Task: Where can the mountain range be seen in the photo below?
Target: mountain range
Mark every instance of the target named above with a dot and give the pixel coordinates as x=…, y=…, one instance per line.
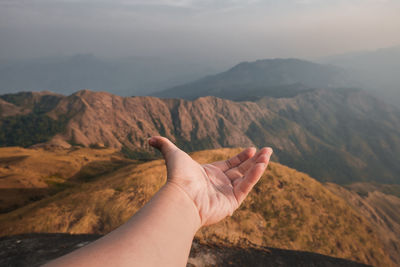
x=341, y=135
x=376, y=71
x=270, y=77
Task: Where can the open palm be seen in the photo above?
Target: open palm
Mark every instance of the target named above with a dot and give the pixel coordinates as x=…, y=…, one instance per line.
x=216, y=189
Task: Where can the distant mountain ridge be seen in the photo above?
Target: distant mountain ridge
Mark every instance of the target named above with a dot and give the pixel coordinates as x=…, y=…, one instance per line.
x=122, y=76
x=268, y=77
x=334, y=135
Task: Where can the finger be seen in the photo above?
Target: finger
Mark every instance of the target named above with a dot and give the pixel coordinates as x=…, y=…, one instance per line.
x=242, y=168
x=243, y=186
x=236, y=160
x=246, y=165
x=163, y=144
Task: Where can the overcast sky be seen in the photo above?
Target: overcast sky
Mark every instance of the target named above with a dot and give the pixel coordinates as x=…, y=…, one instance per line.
x=226, y=30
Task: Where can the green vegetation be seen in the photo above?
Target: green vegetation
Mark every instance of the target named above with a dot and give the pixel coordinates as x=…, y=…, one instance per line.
x=143, y=155
x=39, y=104
x=362, y=189
x=30, y=129
x=96, y=169
x=57, y=186
x=195, y=144
x=17, y=99
x=119, y=189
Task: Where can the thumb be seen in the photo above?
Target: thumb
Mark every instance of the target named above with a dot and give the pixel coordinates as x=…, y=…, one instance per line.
x=164, y=145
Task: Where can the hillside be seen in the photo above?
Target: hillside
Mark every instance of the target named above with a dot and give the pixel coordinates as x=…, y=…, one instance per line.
x=269, y=77
x=28, y=175
x=381, y=210
x=363, y=189
x=357, y=135
x=334, y=135
x=287, y=209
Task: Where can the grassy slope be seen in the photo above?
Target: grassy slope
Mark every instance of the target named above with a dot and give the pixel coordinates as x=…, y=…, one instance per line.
x=30, y=174
x=364, y=188
x=287, y=209
x=381, y=210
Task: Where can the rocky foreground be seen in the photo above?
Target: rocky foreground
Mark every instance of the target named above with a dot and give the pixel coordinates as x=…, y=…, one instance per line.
x=37, y=249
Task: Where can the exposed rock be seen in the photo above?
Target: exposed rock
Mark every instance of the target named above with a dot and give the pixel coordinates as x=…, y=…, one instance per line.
x=37, y=249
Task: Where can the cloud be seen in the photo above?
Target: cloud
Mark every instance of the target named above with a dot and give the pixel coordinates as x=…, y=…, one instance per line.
x=191, y=4
x=243, y=29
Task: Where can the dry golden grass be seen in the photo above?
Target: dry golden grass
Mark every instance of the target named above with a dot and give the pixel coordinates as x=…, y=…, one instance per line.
x=33, y=166
x=30, y=174
x=286, y=209
x=381, y=210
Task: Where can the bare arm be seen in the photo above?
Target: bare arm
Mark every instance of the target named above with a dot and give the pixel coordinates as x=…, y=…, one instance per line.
x=161, y=233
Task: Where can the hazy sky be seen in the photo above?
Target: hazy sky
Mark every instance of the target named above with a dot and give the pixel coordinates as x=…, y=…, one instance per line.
x=227, y=30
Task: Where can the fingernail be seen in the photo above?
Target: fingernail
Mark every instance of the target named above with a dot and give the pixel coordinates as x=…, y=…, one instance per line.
x=151, y=141
x=267, y=151
x=263, y=159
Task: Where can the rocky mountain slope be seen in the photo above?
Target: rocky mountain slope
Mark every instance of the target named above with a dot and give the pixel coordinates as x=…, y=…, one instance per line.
x=287, y=209
x=334, y=135
x=348, y=132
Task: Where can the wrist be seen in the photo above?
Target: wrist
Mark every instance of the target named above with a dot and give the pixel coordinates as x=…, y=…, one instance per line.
x=184, y=202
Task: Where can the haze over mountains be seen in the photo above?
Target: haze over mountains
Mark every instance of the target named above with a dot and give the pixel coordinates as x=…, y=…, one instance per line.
x=378, y=71
x=123, y=76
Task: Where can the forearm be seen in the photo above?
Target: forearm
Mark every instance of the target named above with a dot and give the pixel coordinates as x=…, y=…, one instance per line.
x=160, y=234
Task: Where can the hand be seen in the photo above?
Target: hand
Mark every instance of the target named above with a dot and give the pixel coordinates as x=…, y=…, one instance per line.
x=194, y=195
x=215, y=189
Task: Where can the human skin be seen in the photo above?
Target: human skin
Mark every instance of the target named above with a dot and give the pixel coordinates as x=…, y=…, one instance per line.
x=161, y=233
